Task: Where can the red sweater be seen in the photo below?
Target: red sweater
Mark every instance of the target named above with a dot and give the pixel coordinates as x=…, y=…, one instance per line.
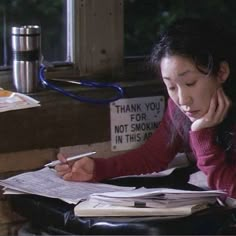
x=156, y=154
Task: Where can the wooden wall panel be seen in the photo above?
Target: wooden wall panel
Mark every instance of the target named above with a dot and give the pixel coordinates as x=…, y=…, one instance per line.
x=63, y=121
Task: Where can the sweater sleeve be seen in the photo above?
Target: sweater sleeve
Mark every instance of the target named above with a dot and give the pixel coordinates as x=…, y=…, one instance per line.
x=211, y=159
x=154, y=155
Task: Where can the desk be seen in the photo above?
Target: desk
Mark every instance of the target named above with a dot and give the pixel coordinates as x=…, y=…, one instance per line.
x=56, y=217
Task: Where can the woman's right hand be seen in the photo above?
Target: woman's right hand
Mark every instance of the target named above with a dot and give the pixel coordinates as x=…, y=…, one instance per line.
x=218, y=109
x=80, y=170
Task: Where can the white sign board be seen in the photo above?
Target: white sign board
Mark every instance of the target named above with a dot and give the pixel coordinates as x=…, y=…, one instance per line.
x=133, y=120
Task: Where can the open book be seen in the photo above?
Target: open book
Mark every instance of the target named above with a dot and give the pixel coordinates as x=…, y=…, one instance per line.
x=147, y=202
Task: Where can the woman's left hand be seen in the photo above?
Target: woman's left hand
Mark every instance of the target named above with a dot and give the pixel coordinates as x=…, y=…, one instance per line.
x=219, y=106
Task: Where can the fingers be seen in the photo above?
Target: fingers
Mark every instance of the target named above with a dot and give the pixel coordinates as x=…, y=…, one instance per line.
x=218, y=109
x=63, y=168
x=223, y=105
x=80, y=170
x=212, y=108
x=61, y=158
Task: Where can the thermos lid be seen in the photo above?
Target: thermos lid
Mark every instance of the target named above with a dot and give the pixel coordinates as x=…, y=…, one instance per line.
x=26, y=30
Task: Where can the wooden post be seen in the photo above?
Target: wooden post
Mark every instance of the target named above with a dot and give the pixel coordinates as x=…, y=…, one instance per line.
x=99, y=29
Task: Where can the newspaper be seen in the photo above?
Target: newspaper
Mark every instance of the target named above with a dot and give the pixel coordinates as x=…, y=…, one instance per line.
x=14, y=101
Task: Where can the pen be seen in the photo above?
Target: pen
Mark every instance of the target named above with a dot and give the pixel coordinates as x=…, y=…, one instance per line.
x=54, y=163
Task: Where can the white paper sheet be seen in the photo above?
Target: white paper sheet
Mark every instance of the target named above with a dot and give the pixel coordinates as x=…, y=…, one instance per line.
x=14, y=101
x=156, y=192
x=45, y=182
x=199, y=179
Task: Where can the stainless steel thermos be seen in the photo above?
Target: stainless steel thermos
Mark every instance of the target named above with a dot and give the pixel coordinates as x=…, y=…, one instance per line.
x=26, y=48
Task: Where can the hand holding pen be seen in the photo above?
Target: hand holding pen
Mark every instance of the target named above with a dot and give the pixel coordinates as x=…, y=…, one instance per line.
x=81, y=170
x=73, y=158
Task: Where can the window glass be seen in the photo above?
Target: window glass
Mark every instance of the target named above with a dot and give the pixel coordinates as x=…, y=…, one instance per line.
x=144, y=19
x=50, y=15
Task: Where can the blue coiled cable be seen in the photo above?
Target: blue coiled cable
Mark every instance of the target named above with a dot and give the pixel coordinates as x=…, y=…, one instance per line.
x=119, y=90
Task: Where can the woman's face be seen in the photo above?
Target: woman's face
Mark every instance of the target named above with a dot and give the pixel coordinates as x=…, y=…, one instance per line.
x=190, y=89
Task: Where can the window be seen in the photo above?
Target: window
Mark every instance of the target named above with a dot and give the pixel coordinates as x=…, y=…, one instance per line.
x=143, y=19
x=97, y=34
x=50, y=15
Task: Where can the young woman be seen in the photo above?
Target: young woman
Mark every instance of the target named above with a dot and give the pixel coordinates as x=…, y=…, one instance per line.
x=196, y=60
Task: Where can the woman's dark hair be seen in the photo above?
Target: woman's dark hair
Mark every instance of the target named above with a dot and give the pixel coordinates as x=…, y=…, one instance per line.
x=207, y=43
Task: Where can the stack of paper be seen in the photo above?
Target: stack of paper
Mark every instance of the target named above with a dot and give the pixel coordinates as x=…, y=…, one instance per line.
x=158, y=197
x=142, y=201
x=14, y=101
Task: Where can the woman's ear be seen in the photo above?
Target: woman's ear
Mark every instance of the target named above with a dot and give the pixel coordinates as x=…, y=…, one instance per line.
x=223, y=72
